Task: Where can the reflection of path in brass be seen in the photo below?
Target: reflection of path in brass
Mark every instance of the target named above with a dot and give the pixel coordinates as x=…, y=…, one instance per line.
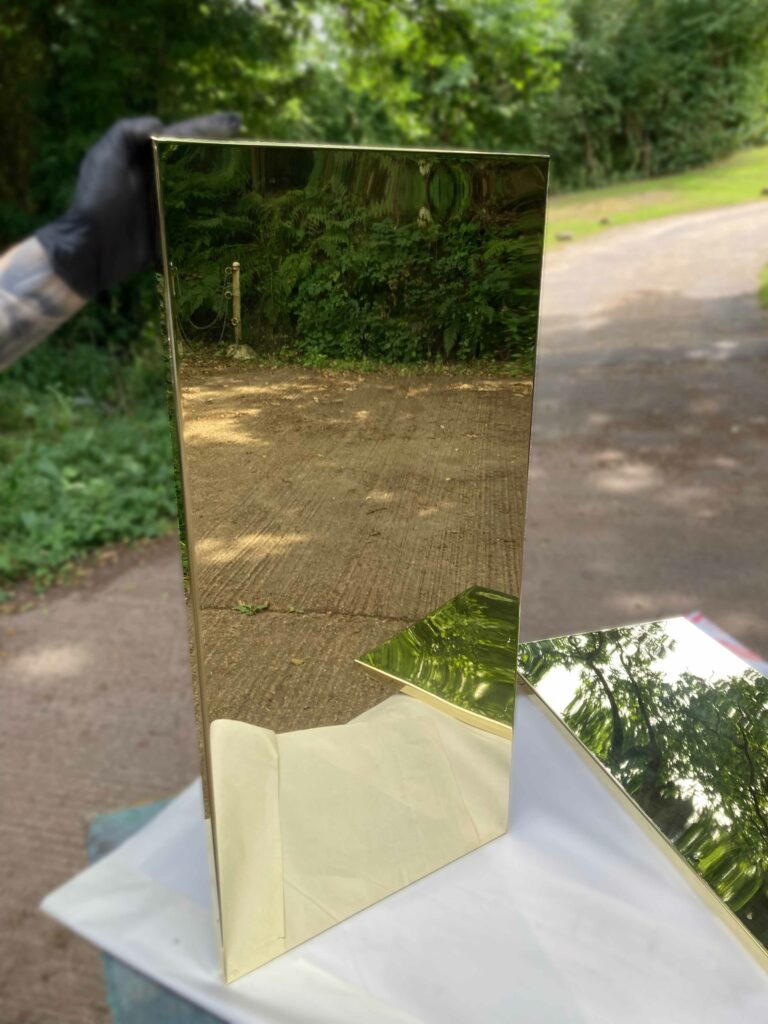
x=354, y=504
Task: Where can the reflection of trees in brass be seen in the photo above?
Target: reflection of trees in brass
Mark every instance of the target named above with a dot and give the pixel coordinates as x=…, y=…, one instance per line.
x=465, y=653
x=390, y=256
x=692, y=752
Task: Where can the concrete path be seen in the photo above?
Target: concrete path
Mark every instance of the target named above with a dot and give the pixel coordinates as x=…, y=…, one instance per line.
x=647, y=498
x=96, y=714
x=649, y=478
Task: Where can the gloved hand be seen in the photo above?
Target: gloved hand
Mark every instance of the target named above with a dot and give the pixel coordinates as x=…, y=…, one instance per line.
x=107, y=235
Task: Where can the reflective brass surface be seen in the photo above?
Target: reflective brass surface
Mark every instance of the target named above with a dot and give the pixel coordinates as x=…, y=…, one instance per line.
x=461, y=658
x=352, y=335
x=681, y=725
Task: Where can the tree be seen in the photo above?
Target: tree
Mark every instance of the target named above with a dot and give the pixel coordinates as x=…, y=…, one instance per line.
x=430, y=72
x=81, y=64
x=647, y=88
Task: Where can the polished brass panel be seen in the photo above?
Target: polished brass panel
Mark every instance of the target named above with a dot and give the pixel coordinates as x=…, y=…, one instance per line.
x=352, y=336
x=681, y=726
x=460, y=658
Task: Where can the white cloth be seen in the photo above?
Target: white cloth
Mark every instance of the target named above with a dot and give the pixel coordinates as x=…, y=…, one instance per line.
x=573, y=916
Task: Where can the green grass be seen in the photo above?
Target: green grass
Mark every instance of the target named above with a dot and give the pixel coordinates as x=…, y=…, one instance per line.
x=762, y=292
x=85, y=458
x=738, y=179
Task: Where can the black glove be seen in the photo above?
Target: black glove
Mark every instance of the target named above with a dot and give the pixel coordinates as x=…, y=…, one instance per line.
x=107, y=235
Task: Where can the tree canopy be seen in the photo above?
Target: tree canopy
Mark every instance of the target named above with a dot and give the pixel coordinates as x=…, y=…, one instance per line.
x=610, y=88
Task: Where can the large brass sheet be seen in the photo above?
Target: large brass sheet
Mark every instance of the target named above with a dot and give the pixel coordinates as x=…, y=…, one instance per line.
x=681, y=725
x=329, y=505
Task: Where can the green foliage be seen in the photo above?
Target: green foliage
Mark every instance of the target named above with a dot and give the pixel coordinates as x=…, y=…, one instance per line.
x=430, y=72
x=384, y=257
x=84, y=457
x=693, y=752
x=612, y=88
x=80, y=64
x=762, y=292
x=69, y=69
x=648, y=88
x=409, y=292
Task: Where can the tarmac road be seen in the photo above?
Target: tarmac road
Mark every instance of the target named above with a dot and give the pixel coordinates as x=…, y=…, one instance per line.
x=649, y=477
x=647, y=498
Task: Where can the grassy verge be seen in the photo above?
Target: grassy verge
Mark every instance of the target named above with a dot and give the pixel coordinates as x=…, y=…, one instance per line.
x=762, y=291
x=85, y=458
x=738, y=179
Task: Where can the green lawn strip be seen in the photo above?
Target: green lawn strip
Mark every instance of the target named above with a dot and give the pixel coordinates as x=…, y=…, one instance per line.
x=762, y=291
x=737, y=179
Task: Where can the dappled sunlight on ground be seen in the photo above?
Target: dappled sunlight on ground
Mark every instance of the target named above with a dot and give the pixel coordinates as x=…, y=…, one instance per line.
x=627, y=478
x=211, y=551
x=54, y=661
x=226, y=430
x=338, y=503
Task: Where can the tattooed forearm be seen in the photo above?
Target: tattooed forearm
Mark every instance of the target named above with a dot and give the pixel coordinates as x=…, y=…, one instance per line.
x=34, y=301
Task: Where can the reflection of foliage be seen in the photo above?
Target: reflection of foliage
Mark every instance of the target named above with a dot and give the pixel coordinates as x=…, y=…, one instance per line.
x=384, y=256
x=465, y=653
x=692, y=752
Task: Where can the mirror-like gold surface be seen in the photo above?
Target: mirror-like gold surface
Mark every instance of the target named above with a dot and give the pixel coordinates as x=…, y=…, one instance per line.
x=352, y=339
x=681, y=724
x=461, y=658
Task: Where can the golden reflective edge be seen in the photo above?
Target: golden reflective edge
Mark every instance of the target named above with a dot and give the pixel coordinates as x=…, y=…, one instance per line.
x=460, y=658
x=752, y=945
x=183, y=499
x=276, y=143
x=688, y=870
x=460, y=714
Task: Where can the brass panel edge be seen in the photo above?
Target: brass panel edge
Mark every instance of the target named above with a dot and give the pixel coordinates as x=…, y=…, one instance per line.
x=446, y=706
x=277, y=144
x=749, y=942
x=177, y=426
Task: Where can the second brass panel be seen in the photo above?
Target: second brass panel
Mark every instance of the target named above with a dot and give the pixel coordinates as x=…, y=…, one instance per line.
x=681, y=725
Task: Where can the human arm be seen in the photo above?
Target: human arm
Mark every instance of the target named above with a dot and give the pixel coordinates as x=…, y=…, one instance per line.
x=105, y=237
x=34, y=300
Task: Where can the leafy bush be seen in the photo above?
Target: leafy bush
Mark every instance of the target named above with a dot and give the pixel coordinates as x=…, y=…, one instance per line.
x=647, y=89
x=385, y=257
x=85, y=457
